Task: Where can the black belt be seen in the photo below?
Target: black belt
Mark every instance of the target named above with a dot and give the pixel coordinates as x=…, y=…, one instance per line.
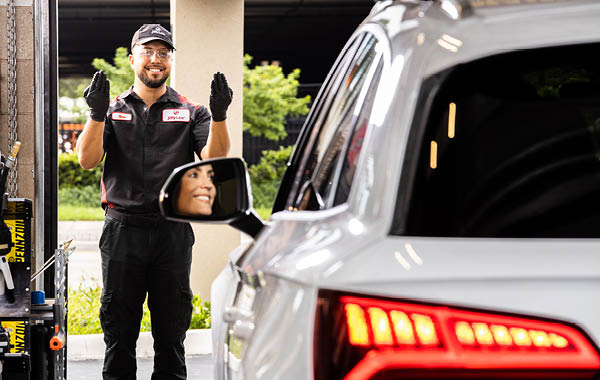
x=152, y=220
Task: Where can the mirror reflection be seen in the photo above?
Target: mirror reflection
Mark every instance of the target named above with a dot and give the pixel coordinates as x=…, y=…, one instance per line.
x=208, y=190
x=196, y=192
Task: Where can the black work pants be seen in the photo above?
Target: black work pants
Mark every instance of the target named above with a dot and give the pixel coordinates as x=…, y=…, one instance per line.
x=139, y=259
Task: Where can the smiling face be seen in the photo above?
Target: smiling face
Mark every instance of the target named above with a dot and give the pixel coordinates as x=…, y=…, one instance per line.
x=151, y=63
x=197, y=191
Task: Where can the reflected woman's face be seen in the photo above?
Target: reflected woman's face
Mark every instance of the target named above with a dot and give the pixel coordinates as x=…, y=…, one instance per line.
x=197, y=192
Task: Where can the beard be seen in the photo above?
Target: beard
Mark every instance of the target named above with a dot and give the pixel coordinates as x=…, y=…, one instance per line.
x=152, y=83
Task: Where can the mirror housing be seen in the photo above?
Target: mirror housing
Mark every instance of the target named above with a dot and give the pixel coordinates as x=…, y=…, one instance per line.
x=211, y=191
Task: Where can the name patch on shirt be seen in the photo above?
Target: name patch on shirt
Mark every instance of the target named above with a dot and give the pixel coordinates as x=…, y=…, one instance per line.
x=180, y=114
x=121, y=116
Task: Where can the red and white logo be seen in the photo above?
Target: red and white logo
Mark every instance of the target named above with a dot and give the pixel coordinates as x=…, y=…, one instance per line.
x=179, y=114
x=121, y=116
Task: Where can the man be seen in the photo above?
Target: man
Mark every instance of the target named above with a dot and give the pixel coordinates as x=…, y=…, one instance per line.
x=145, y=133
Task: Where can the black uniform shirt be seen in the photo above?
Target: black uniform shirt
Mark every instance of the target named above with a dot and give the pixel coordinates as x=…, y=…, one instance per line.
x=142, y=147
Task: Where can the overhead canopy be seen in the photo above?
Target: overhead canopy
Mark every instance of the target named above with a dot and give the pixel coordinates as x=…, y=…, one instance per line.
x=299, y=33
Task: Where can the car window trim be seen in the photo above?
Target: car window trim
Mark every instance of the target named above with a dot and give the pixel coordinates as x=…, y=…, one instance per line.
x=312, y=131
x=376, y=67
x=373, y=66
x=289, y=181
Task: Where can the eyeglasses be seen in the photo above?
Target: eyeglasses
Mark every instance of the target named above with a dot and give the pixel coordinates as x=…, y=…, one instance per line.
x=163, y=54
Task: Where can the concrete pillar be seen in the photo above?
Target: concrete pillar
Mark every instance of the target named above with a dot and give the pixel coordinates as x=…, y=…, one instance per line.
x=208, y=35
x=25, y=103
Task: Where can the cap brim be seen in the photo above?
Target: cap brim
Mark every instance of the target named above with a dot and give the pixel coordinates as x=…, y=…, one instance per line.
x=148, y=39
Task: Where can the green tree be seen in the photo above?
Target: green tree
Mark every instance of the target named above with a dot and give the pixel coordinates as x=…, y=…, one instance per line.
x=121, y=77
x=270, y=96
x=548, y=82
x=265, y=176
x=120, y=74
x=72, y=109
x=69, y=87
x=70, y=103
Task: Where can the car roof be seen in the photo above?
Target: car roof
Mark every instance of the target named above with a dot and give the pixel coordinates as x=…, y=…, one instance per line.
x=465, y=8
x=448, y=32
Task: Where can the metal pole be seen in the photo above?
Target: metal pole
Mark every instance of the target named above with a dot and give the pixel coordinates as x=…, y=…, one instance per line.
x=40, y=14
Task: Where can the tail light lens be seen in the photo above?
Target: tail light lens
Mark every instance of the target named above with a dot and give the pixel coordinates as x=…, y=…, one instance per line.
x=360, y=338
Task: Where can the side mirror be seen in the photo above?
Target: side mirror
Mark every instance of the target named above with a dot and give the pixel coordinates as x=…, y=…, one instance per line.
x=211, y=191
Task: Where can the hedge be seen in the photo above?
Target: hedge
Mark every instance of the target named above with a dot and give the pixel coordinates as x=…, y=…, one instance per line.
x=71, y=174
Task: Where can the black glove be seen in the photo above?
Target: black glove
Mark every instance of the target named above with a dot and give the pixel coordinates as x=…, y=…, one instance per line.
x=97, y=96
x=220, y=97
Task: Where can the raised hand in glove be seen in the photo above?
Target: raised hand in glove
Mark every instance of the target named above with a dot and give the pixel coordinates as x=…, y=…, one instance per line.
x=97, y=96
x=220, y=97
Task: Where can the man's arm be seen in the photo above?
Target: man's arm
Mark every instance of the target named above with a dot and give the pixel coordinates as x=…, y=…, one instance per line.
x=90, y=147
x=218, y=143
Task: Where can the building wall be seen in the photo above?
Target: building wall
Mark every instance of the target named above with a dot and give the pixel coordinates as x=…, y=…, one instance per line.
x=208, y=36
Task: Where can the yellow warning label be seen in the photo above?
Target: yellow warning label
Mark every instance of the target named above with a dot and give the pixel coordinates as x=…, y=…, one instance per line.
x=17, y=332
x=17, y=229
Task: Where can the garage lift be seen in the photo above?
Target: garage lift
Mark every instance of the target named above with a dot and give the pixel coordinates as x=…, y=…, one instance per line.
x=33, y=340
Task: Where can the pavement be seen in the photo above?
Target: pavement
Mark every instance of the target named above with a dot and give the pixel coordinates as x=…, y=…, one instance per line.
x=85, y=352
x=84, y=263
x=198, y=368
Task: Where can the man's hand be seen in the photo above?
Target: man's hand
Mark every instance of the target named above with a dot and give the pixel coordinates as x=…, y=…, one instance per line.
x=220, y=97
x=97, y=96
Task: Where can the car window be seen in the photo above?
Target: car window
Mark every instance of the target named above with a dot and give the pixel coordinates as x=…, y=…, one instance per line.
x=286, y=194
x=511, y=148
x=334, y=130
x=355, y=141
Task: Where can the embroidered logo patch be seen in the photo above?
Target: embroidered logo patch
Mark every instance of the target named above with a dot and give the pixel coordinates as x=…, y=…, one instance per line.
x=157, y=31
x=121, y=116
x=178, y=114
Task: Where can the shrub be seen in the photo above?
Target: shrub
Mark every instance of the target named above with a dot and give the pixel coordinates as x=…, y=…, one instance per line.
x=264, y=194
x=71, y=174
x=88, y=196
x=200, y=314
x=84, y=307
x=265, y=176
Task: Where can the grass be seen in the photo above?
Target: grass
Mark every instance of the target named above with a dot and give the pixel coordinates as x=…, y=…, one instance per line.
x=68, y=212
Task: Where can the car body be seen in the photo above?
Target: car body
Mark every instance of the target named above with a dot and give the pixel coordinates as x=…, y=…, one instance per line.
x=444, y=179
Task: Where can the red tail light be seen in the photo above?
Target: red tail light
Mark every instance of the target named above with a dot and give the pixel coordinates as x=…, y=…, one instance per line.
x=359, y=338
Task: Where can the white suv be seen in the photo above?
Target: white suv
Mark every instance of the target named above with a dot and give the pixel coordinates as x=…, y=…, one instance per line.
x=439, y=216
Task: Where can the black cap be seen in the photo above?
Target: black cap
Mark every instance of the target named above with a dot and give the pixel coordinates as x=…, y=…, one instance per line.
x=152, y=32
